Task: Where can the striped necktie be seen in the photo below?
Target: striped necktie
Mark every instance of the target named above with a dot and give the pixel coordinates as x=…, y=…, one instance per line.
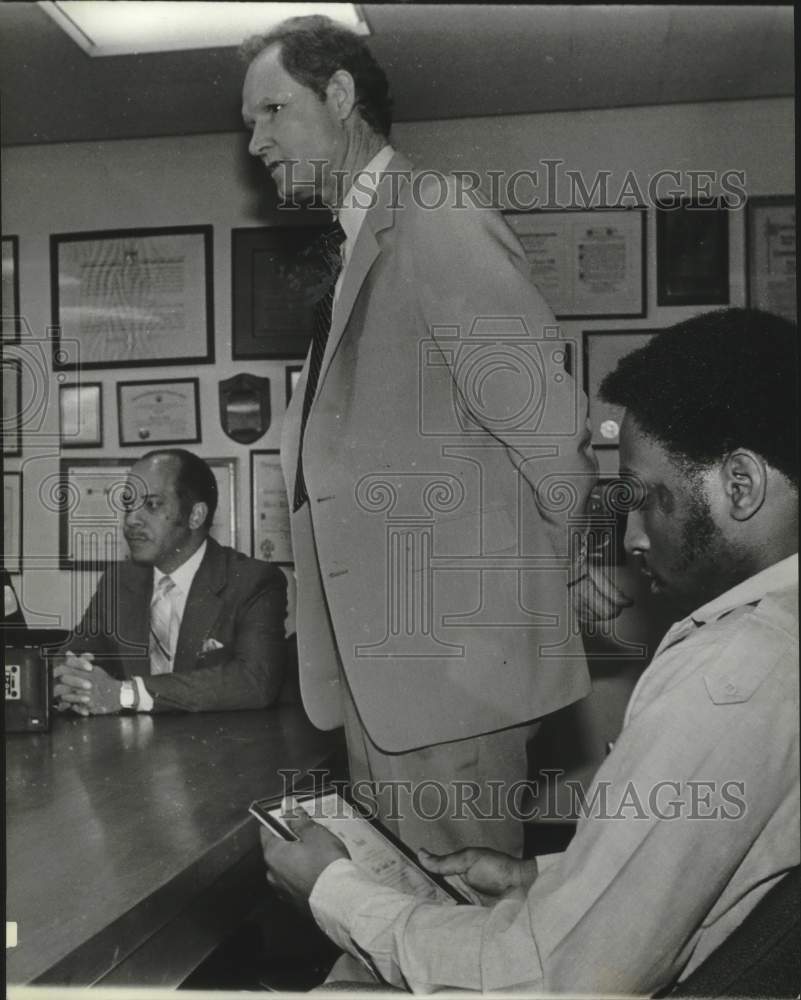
x=163, y=623
x=331, y=243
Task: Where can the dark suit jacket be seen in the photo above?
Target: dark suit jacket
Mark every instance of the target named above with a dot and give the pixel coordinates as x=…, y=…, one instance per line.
x=237, y=601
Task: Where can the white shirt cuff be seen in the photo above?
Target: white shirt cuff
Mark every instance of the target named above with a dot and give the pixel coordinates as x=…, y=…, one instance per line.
x=145, y=698
x=333, y=898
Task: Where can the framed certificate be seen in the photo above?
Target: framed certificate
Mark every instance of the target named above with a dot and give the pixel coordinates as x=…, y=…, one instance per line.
x=692, y=254
x=223, y=528
x=602, y=349
x=135, y=297
x=12, y=406
x=12, y=521
x=770, y=255
x=292, y=374
x=80, y=407
x=607, y=529
x=89, y=497
x=373, y=849
x=278, y=276
x=586, y=263
x=9, y=304
x=270, y=534
x=165, y=411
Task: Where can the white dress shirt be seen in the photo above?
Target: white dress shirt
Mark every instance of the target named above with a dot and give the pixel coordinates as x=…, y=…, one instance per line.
x=355, y=205
x=182, y=578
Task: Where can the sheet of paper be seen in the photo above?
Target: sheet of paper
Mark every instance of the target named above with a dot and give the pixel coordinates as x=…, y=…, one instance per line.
x=371, y=851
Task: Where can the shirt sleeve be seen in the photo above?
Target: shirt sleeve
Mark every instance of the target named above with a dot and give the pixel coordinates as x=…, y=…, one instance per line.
x=690, y=794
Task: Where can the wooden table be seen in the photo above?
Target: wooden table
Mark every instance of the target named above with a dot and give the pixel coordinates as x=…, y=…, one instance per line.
x=129, y=848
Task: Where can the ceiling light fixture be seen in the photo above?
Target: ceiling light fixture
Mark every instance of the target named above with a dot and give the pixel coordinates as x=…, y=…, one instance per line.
x=126, y=27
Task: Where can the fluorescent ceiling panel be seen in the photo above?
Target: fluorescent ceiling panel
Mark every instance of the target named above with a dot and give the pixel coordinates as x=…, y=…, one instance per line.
x=124, y=27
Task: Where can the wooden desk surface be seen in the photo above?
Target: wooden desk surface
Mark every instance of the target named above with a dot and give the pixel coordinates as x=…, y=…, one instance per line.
x=117, y=825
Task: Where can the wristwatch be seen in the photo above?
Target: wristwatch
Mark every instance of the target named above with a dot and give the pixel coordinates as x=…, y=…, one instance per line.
x=128, y=695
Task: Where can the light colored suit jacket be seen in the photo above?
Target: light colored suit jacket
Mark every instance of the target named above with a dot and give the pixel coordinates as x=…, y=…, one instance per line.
x=427, y=565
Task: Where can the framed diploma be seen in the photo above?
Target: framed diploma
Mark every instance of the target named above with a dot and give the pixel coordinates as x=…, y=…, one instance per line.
x=12, y=406
x=602, y=349
x=12, y=521
x=166, y=411
x=692, y=254
x=586, y=264
x=770, y=255
x=9, y=304
x=607, y=529
x=80, y=408
x=278, y=276
x=270, y=535
x=135, y=297
x=292, y=374
x=223, y=528
x=89, y=496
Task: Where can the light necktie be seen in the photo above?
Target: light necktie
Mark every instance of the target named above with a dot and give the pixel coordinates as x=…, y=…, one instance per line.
x=162, y=626
x=331, y=243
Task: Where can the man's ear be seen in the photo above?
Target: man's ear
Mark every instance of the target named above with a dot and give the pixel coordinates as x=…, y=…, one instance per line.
x=341, y=94
x=198, y=515
x=745, y=483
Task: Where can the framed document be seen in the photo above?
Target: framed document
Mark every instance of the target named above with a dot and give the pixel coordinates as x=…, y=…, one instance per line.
x=586, y=263
x=223, y=528
x=80, y=407
x=12, y=521
x=770, y=269
x=9, y=304
x=165, y=411
x=602, y=349
x=292, y=374
x=89, y=496
x=692, y=254
x=278, y=276
x=607, y=530
x=12, y=406
x=374, y=850
x=270, y=535
x=135, y=297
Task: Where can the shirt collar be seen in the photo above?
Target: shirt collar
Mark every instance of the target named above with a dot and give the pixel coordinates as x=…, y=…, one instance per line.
x=185, y=574
x=356, y=203
x=779, y=576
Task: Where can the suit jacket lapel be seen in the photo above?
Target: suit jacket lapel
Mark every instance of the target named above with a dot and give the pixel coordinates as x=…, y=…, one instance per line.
x=381, y=216
x=133, y=604
x=202, y=608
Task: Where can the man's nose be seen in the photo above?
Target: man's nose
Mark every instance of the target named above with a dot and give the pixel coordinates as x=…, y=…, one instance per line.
x=635, y=539
x=131, y=516
x=260, y=139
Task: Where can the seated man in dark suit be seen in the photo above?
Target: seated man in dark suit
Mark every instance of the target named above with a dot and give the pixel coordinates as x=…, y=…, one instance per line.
x=186, y=624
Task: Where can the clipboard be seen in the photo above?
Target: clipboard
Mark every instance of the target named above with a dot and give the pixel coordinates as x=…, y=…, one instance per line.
x=372, y=848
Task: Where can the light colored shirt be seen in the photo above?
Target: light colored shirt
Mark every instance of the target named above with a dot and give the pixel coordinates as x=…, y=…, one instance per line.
x=691, y=819
x=182, y=578
x=355, y=204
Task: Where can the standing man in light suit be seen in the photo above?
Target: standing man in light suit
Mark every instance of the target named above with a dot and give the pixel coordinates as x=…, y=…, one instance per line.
x=430, y=424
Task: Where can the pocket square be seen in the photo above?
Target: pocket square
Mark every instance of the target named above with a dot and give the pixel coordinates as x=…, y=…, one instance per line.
x=209, y=645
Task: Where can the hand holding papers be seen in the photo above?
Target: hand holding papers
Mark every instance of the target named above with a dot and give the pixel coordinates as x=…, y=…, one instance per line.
x=339, y=831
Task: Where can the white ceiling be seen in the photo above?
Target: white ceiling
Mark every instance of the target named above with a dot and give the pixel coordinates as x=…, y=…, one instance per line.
x=443, y=61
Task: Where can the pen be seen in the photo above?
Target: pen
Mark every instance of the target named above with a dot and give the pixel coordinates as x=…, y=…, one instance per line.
x=578, y=579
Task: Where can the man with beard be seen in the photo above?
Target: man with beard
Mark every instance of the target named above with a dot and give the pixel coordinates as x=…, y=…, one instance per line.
x=694, y=815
